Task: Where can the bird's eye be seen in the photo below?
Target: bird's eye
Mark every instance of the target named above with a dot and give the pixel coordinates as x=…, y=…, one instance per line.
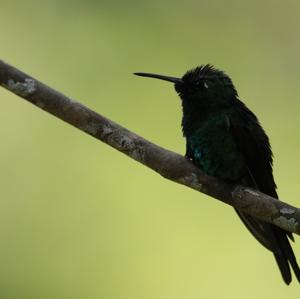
x=201, y=84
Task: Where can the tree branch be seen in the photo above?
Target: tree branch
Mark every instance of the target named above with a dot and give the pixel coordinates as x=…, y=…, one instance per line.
x=169, y=164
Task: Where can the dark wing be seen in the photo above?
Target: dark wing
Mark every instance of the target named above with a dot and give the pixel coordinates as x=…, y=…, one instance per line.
x=253, y=144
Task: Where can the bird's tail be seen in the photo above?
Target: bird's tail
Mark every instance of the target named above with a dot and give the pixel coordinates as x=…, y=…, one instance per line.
x=285, y=256
x=276, y=240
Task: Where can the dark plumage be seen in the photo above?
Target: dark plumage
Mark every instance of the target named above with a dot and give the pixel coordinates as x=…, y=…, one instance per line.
x=225, y=139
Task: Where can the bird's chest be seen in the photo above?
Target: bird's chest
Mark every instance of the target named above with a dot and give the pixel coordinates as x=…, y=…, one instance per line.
x=214, y=150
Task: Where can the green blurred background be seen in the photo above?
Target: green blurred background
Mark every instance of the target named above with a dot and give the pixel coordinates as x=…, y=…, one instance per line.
x=80, y=220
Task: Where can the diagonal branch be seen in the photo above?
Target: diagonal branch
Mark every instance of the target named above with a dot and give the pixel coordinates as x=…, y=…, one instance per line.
x=169, y=164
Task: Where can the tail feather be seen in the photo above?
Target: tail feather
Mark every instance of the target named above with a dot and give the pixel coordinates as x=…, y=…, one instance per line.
x=284, y=268
x=276, y=240
x=273, y=238
x=287, y=251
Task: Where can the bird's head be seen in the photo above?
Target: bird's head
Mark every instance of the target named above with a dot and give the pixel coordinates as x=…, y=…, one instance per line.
x=201, y=86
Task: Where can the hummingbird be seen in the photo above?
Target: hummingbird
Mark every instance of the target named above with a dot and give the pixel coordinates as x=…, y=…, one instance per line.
x=225, y=139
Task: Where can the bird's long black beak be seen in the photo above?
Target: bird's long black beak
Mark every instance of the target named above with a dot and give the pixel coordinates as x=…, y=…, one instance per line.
x=161, y=77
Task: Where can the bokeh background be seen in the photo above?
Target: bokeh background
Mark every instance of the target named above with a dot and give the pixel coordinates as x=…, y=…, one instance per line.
x=80, y=220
